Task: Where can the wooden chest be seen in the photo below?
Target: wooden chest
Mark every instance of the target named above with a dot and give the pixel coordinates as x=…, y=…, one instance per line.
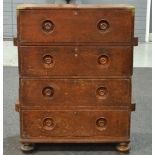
x=75, y=66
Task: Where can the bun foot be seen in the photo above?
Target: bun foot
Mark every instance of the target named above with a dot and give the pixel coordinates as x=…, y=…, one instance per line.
x=123, y=147
x=27, y=147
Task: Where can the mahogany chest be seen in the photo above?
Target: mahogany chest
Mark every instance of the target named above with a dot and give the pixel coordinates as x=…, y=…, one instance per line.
x=75, y=67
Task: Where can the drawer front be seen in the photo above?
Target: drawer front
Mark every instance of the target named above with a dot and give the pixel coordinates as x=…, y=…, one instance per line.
x=75, y=92
x=75, y=61
x=75, y=25
x=99, y=124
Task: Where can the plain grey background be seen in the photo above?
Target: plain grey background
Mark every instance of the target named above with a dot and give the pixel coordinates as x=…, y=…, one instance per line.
x=9, y=13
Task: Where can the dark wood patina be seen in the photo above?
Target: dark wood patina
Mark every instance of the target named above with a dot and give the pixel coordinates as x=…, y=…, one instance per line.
x=75, y=66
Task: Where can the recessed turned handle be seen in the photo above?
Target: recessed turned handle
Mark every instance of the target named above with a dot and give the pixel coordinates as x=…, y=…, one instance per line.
x=102, y=91
x=48, y=59
x=101, y=123
x=48, y=123
x=48, y=26
x=103, y=25
x=103, y=59
x=48, y=91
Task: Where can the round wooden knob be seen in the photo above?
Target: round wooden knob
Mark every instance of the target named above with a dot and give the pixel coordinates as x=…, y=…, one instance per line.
x=103, y=59
x=103, y=25
x=47, y=26
x=101, y=123
x=48, y=124
x=48, y=91
x=48, y=59
x=102, y=91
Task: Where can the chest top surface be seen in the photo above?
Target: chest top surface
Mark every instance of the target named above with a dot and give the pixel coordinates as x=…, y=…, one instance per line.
x=75, y=6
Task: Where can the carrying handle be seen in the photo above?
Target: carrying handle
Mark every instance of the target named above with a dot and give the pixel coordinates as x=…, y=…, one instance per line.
x=15, y=41
x=17, y=107
x=133, y=106
x=135, y=41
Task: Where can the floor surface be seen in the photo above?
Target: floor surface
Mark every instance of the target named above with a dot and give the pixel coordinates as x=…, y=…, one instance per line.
x=141, y=133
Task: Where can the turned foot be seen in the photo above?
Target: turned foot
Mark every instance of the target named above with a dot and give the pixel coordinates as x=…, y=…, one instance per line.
x=123, y=147
x=27, y=147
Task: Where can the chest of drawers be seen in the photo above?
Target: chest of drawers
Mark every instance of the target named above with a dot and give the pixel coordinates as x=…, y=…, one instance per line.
x=75, y=67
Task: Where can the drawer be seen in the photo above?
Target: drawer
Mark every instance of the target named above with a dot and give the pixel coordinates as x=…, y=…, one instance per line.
x=75, y=60
x=54, y=124
x=75, y=92
x=89, y=25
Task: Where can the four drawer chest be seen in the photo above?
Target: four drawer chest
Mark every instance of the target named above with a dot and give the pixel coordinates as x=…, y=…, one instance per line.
x=75, y=67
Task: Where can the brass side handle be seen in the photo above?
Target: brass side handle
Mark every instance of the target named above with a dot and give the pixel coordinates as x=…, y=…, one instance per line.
x=15, y=41
x=133, y=107
x=135, y=41
x=17, y=107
